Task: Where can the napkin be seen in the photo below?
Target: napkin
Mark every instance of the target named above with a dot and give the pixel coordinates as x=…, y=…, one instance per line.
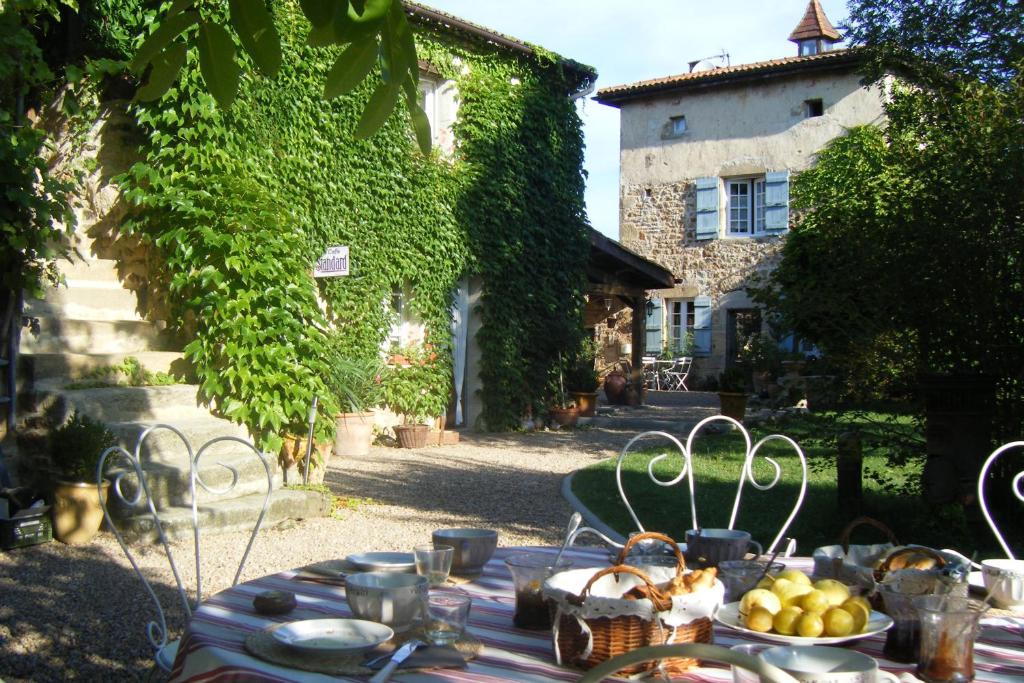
x=431, y=657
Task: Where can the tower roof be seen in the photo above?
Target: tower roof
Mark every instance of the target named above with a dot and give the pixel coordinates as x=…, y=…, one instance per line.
x=814, y=25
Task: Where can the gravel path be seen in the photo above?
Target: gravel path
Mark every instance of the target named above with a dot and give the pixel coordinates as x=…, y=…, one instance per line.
x=79, y=613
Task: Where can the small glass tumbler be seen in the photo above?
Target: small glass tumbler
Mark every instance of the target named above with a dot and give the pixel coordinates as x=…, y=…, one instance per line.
x=529, y=570
x=903, y=639
x=434, y=562
x=948, y=627
x=739, y=576
x=447, y=614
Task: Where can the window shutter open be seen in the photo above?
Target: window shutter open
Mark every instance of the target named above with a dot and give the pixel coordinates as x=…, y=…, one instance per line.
x=707, y=208
x=702, y=324
x=652, y=329
x=776, y=201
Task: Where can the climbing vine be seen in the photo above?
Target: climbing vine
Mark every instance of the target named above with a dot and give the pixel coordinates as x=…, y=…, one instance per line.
x=239, y=203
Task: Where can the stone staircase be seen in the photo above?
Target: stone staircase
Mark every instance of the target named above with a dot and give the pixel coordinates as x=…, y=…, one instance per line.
x=94, y=324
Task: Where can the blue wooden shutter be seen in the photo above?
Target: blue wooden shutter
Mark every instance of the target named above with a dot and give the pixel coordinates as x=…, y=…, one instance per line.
x=707, y=208
x=776, y=201
x=652, y=328
x=702, y=324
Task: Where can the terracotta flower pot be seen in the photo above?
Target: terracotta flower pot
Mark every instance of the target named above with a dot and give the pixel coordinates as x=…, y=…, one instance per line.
x=615, y=388
x=734, y=405
x=77, y=513
x=412, y=436
x=353, y=433
x=565, y=417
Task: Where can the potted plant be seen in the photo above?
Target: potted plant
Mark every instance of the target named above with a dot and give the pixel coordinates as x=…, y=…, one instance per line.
x=732, y=393
x=762, y=355
x=358, y=388
x=564, y=411
x=417, y=389
x=75, y=449
x=581, y=381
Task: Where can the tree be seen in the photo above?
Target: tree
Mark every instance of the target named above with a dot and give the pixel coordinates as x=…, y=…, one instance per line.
x=374, y=32
x=910, y=243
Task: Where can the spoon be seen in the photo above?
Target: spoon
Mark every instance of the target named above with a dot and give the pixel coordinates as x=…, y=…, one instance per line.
x=574, y=523
x=770, y=560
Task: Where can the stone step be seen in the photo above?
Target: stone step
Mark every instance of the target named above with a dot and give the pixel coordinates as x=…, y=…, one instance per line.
x=236, y=514
x=93, y=336
x=82, y=300
x=80, y=271
x=165, y=460
x=171, y=404
x=50, y=368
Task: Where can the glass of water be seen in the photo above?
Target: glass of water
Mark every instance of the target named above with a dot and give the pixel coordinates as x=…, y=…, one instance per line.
x=447, y=614
x=434, y=562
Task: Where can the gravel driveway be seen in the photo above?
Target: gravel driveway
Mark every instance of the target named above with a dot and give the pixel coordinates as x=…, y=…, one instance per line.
x=79, y=613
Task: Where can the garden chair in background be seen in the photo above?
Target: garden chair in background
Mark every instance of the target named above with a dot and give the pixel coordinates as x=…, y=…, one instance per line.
x=650, y=366
x=677, y=373
x=746, y=475
x=130, y=487
x=1017, y=487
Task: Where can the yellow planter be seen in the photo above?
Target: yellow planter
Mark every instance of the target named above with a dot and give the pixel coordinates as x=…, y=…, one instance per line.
x=77, y=513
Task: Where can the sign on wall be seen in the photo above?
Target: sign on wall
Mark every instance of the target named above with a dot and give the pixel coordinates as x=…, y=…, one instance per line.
x=333, y=263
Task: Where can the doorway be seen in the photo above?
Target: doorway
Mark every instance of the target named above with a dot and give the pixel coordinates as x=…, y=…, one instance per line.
x=741, y=326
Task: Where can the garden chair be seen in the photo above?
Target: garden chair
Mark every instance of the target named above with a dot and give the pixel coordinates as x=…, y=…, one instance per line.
x=677, y=373
x=746, y=475
x=650, y=366
x=703, y=651
x=1017, y=488
x=130, y=487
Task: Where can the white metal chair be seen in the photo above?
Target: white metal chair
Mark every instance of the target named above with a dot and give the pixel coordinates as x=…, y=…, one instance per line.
x=650, y=367
x=714, y=653
x=746, y=475
x=130, y=487
x=1017, y=488
x=677, y=373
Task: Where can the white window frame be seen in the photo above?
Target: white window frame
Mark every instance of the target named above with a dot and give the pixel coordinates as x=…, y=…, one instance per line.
x=679, y=321
x=436, y=97
x=744, y=215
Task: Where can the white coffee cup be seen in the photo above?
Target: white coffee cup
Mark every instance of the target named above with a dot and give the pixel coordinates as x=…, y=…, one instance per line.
x=819, y=664
x=1004, y=581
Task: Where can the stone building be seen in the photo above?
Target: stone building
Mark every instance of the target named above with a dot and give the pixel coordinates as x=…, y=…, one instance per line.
x=706, y=159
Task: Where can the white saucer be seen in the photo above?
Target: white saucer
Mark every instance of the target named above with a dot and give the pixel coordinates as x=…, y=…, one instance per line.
x=332, y=636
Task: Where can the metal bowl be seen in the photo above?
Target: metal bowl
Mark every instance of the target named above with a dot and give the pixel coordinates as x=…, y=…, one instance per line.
x=386, y=597
x=473, y=547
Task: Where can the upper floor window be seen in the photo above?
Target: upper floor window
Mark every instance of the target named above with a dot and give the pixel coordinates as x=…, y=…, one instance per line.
x=752, y=206
x=813, y=108
x=745, y=207
x=439, y=99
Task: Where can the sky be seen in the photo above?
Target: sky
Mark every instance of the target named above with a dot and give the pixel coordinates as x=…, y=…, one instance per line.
x=634, y=40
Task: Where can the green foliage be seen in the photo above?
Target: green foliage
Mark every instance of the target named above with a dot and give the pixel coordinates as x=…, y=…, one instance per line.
x=508, y=208
x=76, y=447
x=581, y=375
x=357, y=384
x=672, y=349
x=417, y=383
x=732, y=380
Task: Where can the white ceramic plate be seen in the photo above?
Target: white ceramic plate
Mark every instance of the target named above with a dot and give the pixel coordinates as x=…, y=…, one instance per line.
x=383, y=562
x=730, y=616
x=332, y=636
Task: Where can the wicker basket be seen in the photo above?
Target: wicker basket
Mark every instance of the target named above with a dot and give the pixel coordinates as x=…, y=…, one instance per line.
x=596, y=623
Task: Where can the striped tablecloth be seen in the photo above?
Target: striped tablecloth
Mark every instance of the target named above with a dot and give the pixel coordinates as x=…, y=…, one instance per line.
x=212, y=648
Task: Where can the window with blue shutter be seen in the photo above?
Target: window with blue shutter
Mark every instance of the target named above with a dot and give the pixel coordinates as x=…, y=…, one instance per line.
x=702, y=325
x=776, y=201
x=652, y=329
x=707, y=208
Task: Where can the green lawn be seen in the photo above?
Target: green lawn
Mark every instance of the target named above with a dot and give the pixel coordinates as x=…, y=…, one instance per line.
x=718, y=460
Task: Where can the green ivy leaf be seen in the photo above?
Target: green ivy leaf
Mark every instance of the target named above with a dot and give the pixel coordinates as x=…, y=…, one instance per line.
x=350, y=68
x=371, y=10
x=180, y=6
x=255, y=29
x=420, y=122
x=166, y=66
x=380, y=106
x=169, y=29
x=217, y=63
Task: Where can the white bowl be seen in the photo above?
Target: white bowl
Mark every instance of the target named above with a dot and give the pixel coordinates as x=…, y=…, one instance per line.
x=1004, y=581
x=819, y=664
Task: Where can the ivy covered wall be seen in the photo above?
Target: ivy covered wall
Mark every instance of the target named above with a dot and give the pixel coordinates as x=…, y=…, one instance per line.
x=239, y=204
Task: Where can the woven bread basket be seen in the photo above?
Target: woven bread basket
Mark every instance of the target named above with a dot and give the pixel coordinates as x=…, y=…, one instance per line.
x=594, y=622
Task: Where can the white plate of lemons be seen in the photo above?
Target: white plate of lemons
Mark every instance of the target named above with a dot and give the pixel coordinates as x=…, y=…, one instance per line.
x=791, y=608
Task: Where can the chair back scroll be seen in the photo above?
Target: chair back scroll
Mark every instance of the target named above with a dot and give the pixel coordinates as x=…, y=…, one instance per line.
x=130, y=487
x=1017, y=487
x=686, y=473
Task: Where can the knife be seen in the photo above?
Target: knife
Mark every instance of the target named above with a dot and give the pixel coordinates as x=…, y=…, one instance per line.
x=401, y=654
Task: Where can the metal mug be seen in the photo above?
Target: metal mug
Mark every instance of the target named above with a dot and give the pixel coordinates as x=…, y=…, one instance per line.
x=708, y=547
